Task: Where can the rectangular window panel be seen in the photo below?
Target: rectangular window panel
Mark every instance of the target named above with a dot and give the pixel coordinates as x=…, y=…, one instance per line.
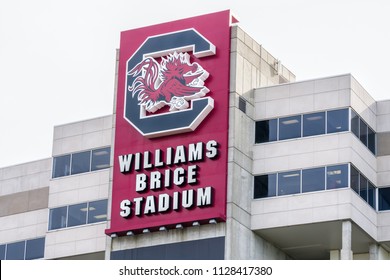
x=57, y=218
x=363, y=187
x=371, y=195
x=314, y=124
x=371, y=141
x=97, y=211
x=363, y=132
x=35, y=248
x=355, y=181
x=81, y=162
x=242, y=104
x=289, y=182
x=61, y=166
x=2, y=252
x=313, y=179
x=355, y=121
x=77, y=215
x=265, y=186
x=15, y=251
x=266, y=131
x=383, y=199
x=337, y=176
x=290, y=127
x=100, y=159
x=337, y=120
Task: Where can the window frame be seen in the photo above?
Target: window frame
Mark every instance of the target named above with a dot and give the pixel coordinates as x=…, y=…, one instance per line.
x=71, y=159
x=289, y=119
x=304, y=117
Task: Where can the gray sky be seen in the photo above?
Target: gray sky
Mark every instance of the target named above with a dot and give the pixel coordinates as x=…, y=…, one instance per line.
x=57, y=58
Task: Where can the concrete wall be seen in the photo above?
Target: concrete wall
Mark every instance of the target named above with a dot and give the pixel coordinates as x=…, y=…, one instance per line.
x=251, y=67
x=322, y=150
x=84, y=187
x=24, y=200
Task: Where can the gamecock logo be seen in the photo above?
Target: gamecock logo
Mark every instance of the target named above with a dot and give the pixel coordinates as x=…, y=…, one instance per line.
x=174, y=82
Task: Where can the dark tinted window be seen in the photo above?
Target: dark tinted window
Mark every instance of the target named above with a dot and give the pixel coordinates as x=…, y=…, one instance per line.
x=371, y=142
x=77, y=214
x=384, y=199
x=355, y=179
x=363, y=187
x=337, y=120
x=314, y=124
x=100, y=159
x=2, y=252
x=289, y=127
x=371, y=195
x=289, y=182
x=97, y=211
x=355, y=122
x=57, y=218
x=265, y=186
x=35, y=248
x=313, y=179
x=266, y=131
x=61, y=166
x=81, y=162
x=337, y=176
x=363, y=132
x=242, y=104
x=15, y=251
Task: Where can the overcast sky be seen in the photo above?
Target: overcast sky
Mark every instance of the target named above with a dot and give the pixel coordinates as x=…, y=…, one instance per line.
x=57, y=58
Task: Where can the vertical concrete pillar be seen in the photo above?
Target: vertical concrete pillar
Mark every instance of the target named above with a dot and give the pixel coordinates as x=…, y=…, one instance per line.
x=374, y=251
x=334, y=254
x=346, y=232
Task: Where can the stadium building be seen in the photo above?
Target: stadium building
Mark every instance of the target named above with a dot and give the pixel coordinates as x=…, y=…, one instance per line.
x=213, y=151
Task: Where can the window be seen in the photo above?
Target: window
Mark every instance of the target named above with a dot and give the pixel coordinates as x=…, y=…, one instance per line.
x=363, y=190
x=337, y=120
x=265, y=186
x=81, y=162
x=289, y=182
x=314, y=124
x=337, y=176
x=35, y=248
x=2, y=252
x=371, y=195
x=266, y=131
x=23, y=250
x=313, y=179
x=77, y=214
x=355, y=179
x=290, y=127
x=242, y=104
x=371, y=140
x=97, y=211
x=61, y=166
x=355, y=122
x=100, y=159
x=15, y=251
x=57, y=217
x=383, y=199
x=305, y=125
x=363, y=132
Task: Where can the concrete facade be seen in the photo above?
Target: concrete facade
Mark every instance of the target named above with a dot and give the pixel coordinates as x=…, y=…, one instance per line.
x=328, y=224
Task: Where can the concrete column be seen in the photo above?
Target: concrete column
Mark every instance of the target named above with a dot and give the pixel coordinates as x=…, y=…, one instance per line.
x=374, y=251
x=334, y=254
x=346, y=250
